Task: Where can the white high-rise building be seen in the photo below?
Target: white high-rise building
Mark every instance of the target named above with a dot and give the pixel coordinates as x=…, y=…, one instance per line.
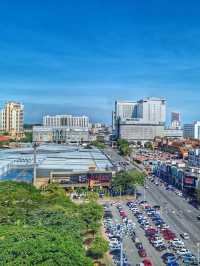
x=192, y=130
x=152, y=110
x=12, y=119
x=142, y=120
x=66, y=121
x=125, y=110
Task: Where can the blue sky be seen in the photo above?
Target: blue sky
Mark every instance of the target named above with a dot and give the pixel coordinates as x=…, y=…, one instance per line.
x=79, y=56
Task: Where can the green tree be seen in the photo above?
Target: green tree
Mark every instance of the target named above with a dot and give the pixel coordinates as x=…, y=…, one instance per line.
x=44, y=227
x=28, y=137
x=98, y=248
x=124, y=147
x=127, y=180
x=98, y=144
x=148, y=145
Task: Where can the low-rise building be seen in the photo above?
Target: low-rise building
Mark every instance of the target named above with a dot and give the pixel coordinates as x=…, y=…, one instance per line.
x=173, y=133
x=60, y=134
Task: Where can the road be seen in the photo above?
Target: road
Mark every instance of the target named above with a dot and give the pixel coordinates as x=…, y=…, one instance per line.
x=176, y=211
x=116, y=158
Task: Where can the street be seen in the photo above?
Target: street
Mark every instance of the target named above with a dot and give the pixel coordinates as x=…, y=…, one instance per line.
x=180, y=215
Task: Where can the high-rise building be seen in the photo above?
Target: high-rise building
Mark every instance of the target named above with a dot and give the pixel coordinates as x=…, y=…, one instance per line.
x=192, y=130
x=142, y=120
x=152, y=110
x=175, y=120
x=66, y=121
x=125, y=110
x=12, y=119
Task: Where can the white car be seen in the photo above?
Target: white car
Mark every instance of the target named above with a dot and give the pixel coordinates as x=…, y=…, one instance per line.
x=113, y=241
x=183, y=251
x=185, y=236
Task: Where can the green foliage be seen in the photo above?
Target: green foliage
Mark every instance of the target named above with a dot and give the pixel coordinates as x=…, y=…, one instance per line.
x=91, y=214
x=40, y=246
x=4, y=133
x=43, y=228
x=98, y=248
x=99, y=145
x=148, y=145
x=127, y=180
x=124, y=147
x=28, y=137
x=92, y=196
x=4, y=143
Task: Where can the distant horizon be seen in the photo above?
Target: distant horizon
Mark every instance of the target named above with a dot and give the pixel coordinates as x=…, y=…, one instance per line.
x=79, y=56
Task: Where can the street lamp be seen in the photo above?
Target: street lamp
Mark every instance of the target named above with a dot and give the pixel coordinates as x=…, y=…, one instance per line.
x=121, y=252
x=144, y=189
x=35, y=145
x=198, y=253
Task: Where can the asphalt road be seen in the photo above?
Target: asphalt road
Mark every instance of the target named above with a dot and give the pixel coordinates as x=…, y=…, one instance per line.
x=116, y=158
x=177, y=213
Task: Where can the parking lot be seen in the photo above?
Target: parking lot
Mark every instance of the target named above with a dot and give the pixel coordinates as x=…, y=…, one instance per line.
x=146, y=238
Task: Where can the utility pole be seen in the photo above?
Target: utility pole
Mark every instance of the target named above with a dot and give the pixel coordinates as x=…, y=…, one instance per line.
x=34, y=162
x=198, y=253
x=182, y=184
x=144, y=189
x=121, y=253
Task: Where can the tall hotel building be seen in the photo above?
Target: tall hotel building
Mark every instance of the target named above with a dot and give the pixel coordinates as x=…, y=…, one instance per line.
x=141, y=120
x=12, y=119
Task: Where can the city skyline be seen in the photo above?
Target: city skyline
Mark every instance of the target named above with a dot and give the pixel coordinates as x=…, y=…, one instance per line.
x=80, y=58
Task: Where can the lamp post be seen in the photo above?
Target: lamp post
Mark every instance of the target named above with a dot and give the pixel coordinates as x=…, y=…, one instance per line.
x=144, y=189
x=34, y=162
x=121, y=253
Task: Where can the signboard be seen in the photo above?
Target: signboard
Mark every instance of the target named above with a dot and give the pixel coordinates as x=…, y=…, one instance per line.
x=189, y=181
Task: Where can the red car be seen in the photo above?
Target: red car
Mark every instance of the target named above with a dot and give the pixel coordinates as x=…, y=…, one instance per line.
x=142, y=252
x=147, y=262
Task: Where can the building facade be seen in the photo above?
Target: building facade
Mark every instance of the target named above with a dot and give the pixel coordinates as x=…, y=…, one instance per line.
x=125, y=110
x=60, y=134
x=192, y=130
x=173, y=133
x=183, y=177
x=152, y=110
x=66, y=121
x=194, y=158
x=142, y=120
x=136, y=131
x=12, y=119
x=175, y=120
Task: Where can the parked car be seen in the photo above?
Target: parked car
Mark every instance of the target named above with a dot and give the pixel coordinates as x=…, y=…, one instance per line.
x=142, y=252
x=185, y=236
x=147, y=262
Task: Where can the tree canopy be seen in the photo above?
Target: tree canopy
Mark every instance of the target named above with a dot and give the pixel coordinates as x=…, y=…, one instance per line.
x=44, y=228
x=123, y=147
x=127, y=180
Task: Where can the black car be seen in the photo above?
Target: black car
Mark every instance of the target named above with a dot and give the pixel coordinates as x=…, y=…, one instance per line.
x=139, y=245
x=157, y=207
x=161, y=247
x=198, y=217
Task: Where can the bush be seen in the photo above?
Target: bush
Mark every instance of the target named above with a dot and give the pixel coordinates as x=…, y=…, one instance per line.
x=98, y=248
x=44, y=228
